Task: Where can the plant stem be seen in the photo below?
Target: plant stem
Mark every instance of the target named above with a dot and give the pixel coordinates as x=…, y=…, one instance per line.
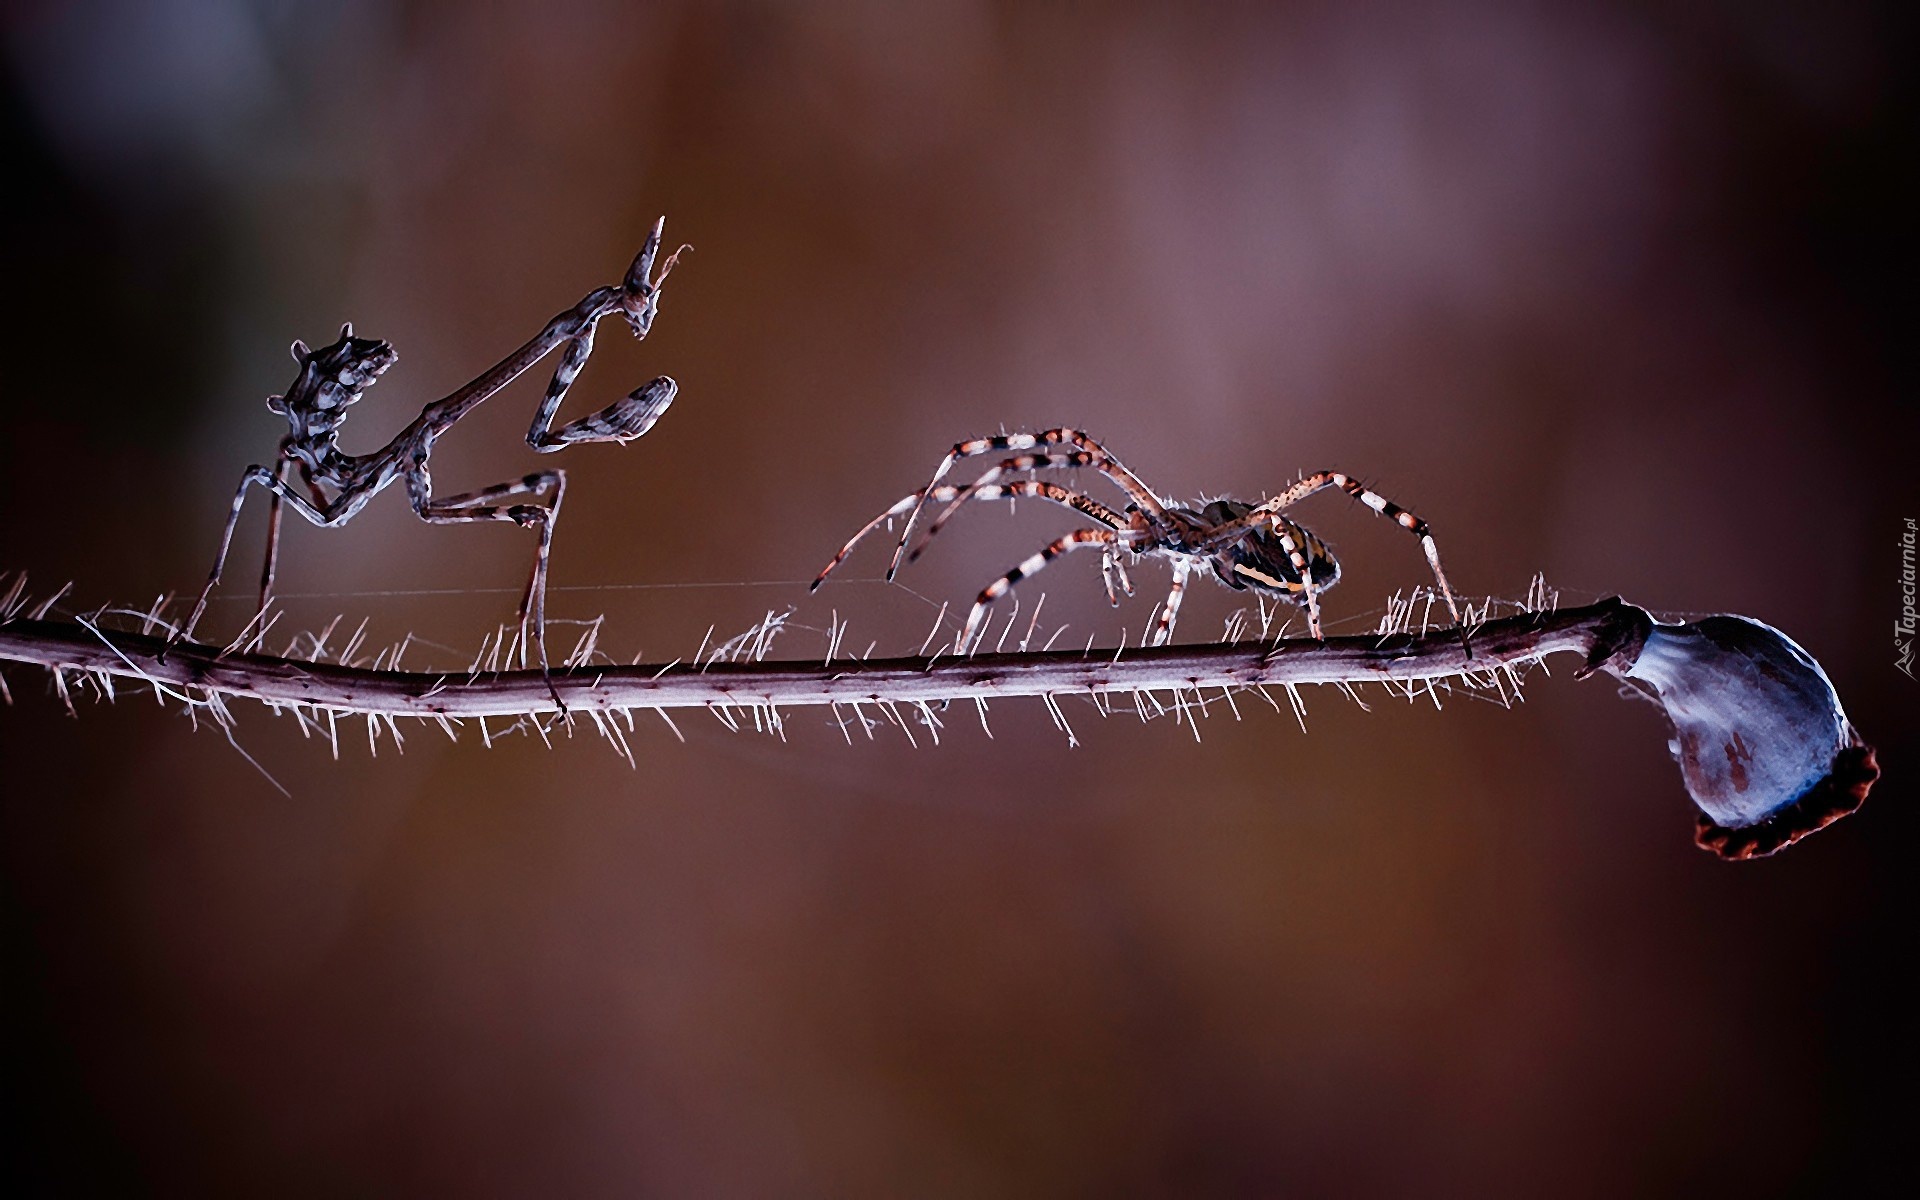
x=1597, y=632
x=1764, y=749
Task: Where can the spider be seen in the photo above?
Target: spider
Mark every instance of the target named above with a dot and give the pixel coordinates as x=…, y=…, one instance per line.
x=1244, y=545
x=334, y=377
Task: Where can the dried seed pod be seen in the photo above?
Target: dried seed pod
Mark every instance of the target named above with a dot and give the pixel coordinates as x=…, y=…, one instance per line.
x=1763, y=745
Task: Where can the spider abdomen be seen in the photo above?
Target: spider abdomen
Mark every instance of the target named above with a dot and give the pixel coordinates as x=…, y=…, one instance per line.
x=1261, y=563
x=1260, y=560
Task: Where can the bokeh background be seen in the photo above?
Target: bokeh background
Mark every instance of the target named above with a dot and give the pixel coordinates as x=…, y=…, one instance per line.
x=1603, y=291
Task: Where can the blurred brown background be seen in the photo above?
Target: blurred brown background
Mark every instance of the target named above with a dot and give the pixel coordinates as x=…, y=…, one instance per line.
x=1605, y=292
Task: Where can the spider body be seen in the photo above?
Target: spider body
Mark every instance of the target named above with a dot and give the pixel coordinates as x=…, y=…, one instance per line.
x=333, y=378
x=1244, y=545
x=1259, y=560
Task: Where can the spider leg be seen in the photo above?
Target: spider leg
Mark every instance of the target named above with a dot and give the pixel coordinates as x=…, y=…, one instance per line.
x=954, y=496
x=1111, y=569
x=1023, y=462
x=976, y=619
x=1097, y=458
x=1388, y=509
x=1321, y=480
x=1163, y=631
x=1285, y=529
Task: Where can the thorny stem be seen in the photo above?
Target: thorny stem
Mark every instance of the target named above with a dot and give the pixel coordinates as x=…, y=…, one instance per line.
x=1764, y=749
x=1598, y=632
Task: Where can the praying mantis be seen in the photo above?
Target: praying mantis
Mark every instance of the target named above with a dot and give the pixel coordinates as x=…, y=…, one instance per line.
x=334, y=377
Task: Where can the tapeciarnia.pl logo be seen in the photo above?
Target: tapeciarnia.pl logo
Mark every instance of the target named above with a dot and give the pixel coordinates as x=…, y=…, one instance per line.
x=1903, y=629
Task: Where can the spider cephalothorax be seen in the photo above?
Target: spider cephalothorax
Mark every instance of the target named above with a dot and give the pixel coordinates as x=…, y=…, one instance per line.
x=1251, y=546
x=333, y=378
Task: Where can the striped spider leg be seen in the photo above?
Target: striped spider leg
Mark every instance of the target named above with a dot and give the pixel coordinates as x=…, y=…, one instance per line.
x=1146, y=512
x=334, y=377
x=1120, y=532
x=1287, y=533
x=1024, y=462
x=954, y=496
x=1108, y=539
x=1092, y=454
